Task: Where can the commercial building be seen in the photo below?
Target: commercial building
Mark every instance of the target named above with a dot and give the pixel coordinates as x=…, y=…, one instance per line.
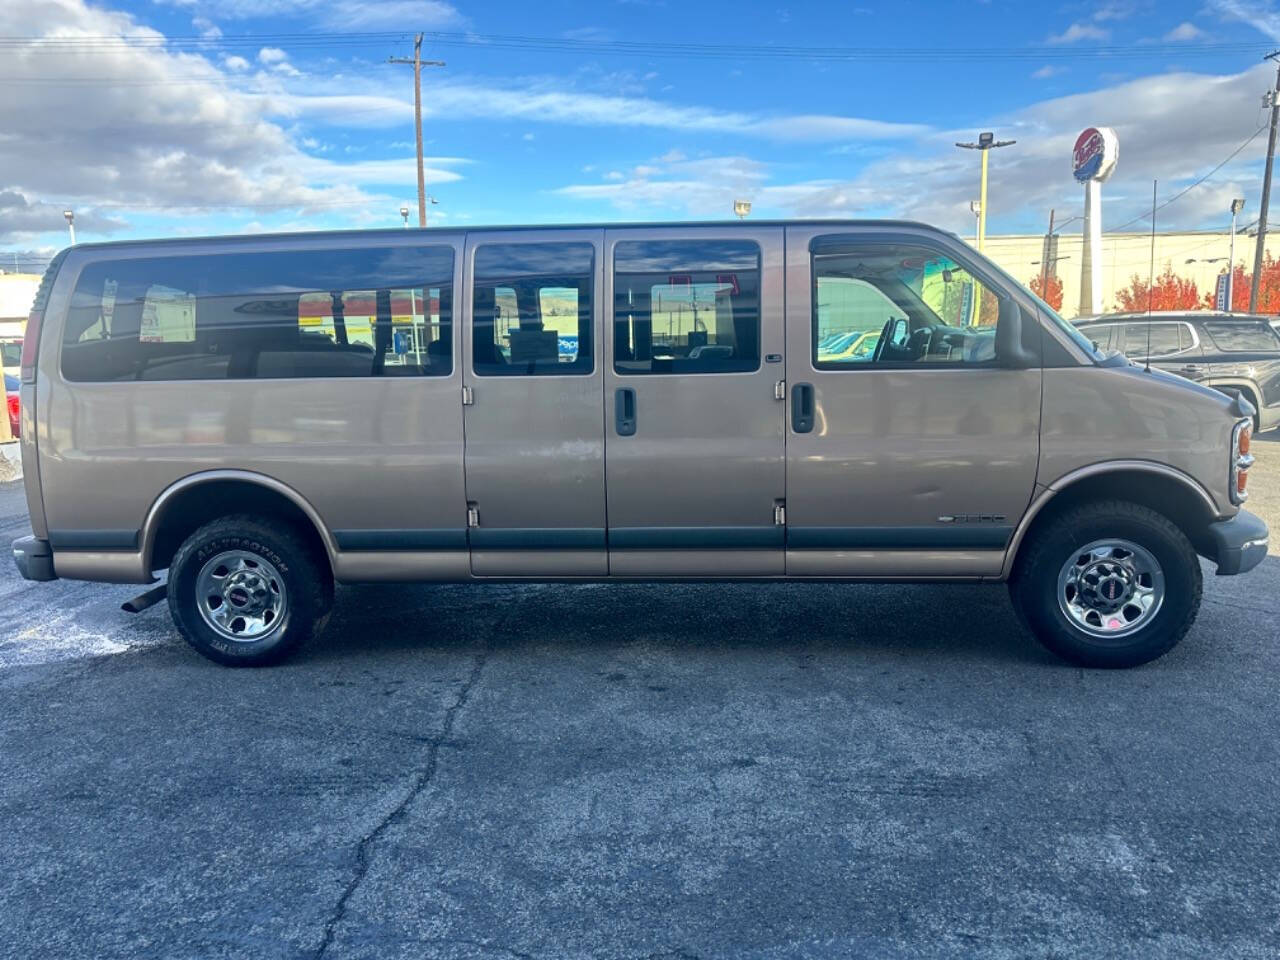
x=1199, y=256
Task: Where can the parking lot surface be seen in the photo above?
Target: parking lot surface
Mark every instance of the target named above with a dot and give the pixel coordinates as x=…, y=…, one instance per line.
x=760, y=771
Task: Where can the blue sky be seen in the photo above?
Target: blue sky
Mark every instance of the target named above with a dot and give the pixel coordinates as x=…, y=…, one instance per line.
x=288, y=118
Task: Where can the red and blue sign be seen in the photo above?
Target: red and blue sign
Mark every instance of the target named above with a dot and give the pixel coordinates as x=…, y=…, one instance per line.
x=1094, y=155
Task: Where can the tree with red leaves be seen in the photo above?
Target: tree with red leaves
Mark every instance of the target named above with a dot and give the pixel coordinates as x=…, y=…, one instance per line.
x=1051, y=294
x=1268, y=289
x=1169, y=292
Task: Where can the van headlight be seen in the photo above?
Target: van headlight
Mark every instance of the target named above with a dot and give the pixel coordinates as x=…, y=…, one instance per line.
x=1241, y=461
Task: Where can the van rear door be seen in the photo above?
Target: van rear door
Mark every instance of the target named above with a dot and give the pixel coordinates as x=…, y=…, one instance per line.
x=695, y=448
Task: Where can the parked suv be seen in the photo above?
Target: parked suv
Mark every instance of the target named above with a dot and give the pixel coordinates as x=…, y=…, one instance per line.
x=265, y=416
x=1229, y=352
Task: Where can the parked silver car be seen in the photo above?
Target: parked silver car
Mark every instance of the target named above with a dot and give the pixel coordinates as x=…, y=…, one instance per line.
x=264, y=416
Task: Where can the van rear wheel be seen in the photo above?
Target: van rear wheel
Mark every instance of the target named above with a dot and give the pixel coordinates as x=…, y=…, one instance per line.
x=1112, y=584
x=246, y=593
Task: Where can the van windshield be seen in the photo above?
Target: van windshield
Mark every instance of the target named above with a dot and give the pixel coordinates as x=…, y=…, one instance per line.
x=1078, y=338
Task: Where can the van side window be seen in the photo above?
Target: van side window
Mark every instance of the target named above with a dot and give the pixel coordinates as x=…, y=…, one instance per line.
x=686, y=306
x=894, y=305
x=532, y=312
x=364, y=312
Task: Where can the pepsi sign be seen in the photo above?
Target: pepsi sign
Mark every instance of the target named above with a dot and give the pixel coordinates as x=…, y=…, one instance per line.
x=1094, y=156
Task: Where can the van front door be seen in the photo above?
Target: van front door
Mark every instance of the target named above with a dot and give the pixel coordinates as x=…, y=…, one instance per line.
x=911, y=451
x=695, y=448
x=533, y=396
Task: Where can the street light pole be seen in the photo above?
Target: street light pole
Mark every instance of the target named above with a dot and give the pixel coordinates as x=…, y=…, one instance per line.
x=986, y=143
x=1236, y=207
x=71, y=224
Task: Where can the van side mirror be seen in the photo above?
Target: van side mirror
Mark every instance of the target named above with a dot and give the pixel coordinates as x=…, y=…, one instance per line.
x=1010, y=351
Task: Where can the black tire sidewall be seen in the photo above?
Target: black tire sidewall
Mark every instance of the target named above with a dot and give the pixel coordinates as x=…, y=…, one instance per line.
x=284, y=553
x=1036, y=587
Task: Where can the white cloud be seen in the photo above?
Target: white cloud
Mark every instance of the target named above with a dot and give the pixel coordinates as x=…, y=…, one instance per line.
x=343, y=14
x=206, y=28
x=1175, y=127
x=542, y=101
x=142, y=127
x=1260, y=14
x=270, y=55
x=1182, y=32
x=1080, y=31
x=1047, y=71
x=703, y=187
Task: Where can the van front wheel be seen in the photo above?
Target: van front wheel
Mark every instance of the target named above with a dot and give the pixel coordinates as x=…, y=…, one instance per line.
x=1111, y=584
x=246, y=593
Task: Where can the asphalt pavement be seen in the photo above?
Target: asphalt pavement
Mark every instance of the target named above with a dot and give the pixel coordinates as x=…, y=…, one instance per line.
x=628, y=771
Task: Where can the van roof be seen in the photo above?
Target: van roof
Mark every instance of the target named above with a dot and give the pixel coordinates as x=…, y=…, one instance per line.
x=495, y=228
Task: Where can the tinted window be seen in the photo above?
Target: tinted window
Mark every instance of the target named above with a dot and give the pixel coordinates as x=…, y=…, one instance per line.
x=533, y=309
x=890, y=304
x=316, y=313
x=1103, y=334
x=686, y=306
x=1166, y=339
x=1243, y=337
x=11, y=352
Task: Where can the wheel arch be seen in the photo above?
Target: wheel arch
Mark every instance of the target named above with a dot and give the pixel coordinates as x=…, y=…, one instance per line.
x=1161, y=487
x=198, y=498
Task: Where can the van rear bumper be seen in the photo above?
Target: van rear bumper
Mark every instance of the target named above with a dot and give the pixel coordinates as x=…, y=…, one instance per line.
x=34, y=558
x=1240, y=544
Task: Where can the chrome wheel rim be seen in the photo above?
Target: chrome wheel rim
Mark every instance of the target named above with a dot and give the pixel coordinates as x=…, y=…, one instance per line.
x=241, y=596
x=1110, y=588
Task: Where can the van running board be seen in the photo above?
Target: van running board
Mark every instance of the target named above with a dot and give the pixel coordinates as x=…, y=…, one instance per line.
x=144, y=600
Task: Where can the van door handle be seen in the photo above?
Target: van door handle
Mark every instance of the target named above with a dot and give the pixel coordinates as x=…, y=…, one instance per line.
x=624, y=411
x=802, y=408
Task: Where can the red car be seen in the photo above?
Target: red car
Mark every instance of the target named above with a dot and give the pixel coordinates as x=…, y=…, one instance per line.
x=12, y=402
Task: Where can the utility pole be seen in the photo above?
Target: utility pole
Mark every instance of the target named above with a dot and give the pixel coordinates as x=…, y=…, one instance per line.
x=1048, y=256
x=418, y=64
x=1272, y=100
x=986, y=143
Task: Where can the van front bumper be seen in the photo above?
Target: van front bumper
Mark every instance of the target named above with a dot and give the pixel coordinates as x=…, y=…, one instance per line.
x=34, y=558
x=1240, y=543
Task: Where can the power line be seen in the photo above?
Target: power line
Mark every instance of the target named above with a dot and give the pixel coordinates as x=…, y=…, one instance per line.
x=644, y=48
x=1182, y=193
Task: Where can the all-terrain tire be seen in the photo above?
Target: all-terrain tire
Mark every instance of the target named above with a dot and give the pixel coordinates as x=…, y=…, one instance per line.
x=278, y=568
x=1042, y=563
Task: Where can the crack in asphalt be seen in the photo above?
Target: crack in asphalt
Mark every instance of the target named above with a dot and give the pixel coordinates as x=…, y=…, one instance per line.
x=421, y=783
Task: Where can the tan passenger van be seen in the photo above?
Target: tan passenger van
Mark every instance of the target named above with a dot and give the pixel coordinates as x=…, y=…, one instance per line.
x=263, y=416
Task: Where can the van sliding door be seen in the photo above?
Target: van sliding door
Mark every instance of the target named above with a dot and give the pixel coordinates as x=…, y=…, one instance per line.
x=695, y=449
x=533, y=382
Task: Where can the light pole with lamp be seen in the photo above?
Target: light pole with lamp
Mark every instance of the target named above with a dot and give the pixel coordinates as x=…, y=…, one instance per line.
x=71, y=224
x=986, y=143
x=741, y=208
x=404, y=212
x=1236, y=206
